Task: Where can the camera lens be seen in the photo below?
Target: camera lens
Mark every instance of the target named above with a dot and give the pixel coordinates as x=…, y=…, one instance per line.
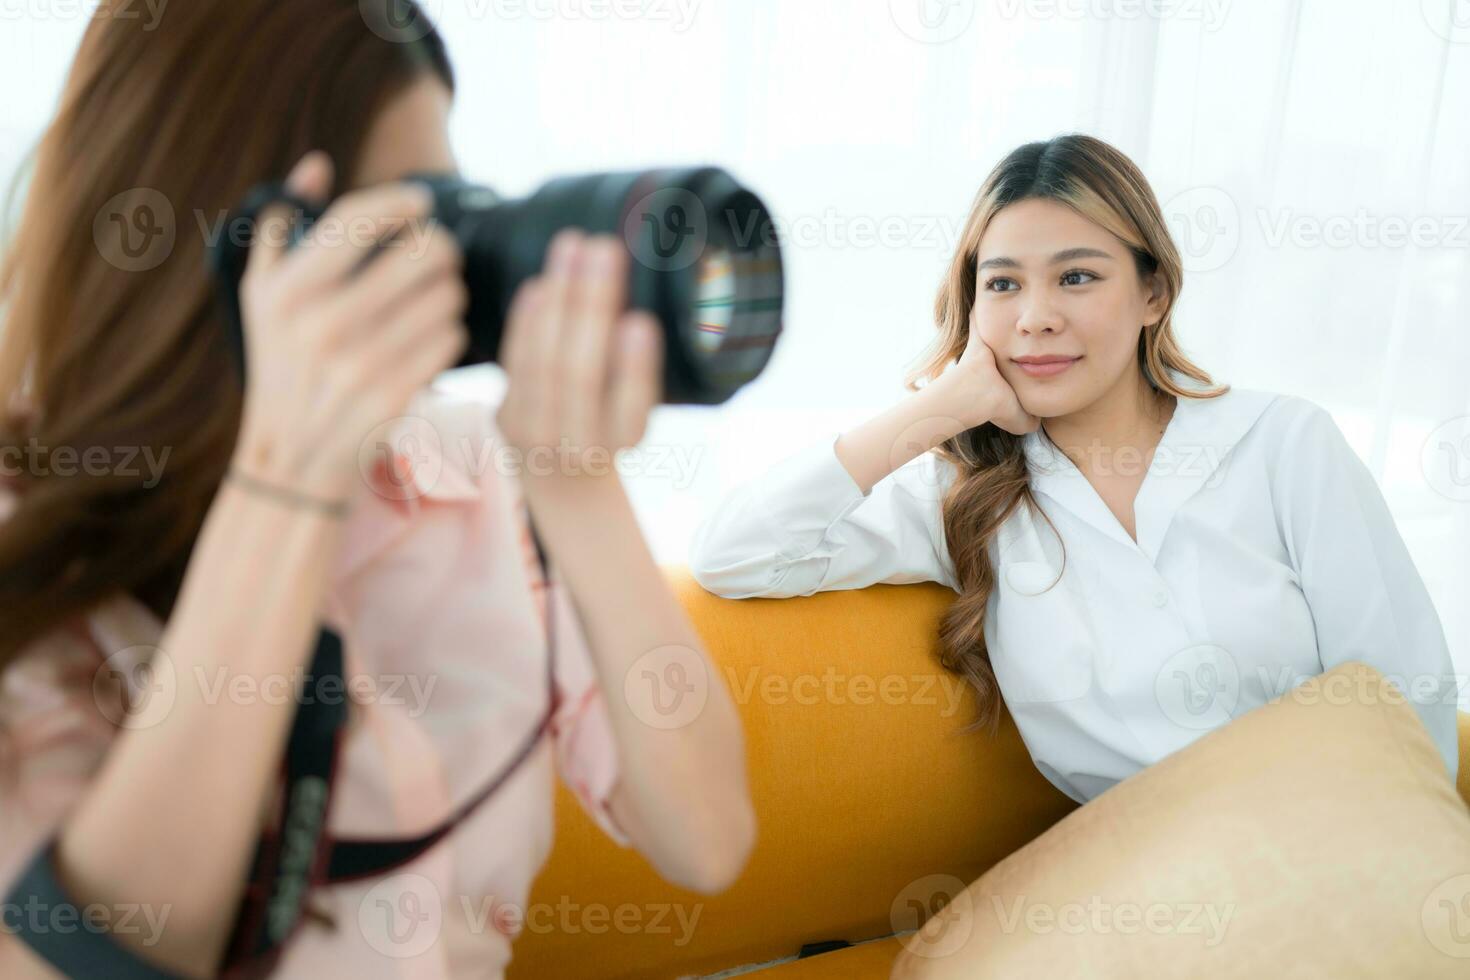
x=704, y=259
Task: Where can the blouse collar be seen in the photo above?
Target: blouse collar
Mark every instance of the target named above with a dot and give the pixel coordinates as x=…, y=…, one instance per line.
x=1192, y=454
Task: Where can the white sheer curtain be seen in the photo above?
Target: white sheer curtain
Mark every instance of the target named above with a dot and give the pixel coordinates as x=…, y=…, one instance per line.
x=1313, y=155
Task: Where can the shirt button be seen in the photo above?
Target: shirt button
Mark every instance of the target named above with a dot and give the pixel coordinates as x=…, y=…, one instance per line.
x=1161, y=598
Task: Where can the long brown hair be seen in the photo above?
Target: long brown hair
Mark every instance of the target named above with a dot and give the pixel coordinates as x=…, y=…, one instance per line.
x=1103, y=185
x=162, y=126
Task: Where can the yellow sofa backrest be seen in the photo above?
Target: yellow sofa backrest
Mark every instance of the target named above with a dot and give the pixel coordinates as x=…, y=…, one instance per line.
x=863, y=784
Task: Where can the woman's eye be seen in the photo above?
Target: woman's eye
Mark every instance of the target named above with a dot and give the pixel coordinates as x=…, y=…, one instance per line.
x=1068, y=279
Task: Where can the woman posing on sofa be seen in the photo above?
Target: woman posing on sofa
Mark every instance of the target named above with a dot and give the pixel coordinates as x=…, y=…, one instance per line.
x=259, y=524
x=1141, y=556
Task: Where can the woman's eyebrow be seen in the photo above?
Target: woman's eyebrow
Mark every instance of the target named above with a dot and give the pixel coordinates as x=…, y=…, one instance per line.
x=1066, y=255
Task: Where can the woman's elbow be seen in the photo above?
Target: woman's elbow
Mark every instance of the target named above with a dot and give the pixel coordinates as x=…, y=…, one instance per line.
x=721, y=567
x=723, y=856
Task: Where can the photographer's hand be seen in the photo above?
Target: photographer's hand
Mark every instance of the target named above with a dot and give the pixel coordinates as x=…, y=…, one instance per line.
x=584, y=375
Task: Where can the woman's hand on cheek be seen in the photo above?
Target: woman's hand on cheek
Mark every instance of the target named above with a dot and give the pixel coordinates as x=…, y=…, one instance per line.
x=583, y=371
x=975, y=392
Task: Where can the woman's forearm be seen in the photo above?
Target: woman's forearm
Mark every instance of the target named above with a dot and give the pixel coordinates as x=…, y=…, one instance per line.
x=908, y=429
x=687, y=783
x=172, y=818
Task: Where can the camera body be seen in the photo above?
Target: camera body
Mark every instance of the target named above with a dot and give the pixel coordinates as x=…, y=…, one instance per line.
x=705, y=260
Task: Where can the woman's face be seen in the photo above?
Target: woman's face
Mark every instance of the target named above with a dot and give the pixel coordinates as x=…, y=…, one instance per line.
x=410, y=134
x=1051, y=282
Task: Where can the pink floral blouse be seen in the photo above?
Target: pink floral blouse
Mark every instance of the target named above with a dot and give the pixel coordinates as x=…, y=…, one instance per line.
x=437, y=596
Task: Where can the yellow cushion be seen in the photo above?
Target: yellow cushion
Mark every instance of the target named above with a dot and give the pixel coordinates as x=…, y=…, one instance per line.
x=1319, y=832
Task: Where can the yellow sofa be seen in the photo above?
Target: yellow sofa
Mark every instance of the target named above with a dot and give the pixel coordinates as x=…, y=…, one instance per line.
x=870, y=800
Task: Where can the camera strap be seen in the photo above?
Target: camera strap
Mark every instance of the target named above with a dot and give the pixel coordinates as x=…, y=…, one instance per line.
x=290, y=859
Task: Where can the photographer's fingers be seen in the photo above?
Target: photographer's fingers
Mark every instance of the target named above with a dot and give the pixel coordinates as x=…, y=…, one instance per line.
x=401, y=272
x=514, y=337
x=350, y=231
x=310, y=179
x=544, y=345
x=596, y=298
x=637, y=377
x=423, y=317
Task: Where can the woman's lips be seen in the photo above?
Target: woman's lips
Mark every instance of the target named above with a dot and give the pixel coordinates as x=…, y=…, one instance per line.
x=1047, y=370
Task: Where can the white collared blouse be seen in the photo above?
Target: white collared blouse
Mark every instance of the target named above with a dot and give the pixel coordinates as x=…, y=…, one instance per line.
x=1265, y=555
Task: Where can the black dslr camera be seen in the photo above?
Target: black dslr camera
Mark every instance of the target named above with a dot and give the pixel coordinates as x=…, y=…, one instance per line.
x=705, y=261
